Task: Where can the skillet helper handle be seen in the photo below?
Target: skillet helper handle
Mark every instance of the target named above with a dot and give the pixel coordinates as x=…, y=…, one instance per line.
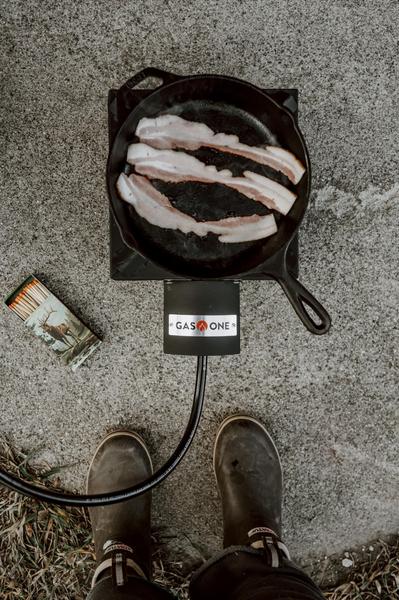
x=300, y=299
x=151, y=72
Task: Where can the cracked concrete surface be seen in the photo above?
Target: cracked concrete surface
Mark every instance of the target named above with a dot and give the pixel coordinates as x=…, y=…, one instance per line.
x=330, y=402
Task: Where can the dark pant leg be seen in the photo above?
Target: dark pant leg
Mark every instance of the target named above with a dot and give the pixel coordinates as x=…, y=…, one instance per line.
x=242, y=573
x=134, y=589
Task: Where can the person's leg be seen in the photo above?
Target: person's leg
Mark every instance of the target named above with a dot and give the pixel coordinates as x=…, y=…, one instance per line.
x=122, y=531
x=255, y=563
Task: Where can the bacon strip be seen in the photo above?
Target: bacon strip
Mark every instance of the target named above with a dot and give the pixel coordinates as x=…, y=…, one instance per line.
x=171, y=131
x=172, y=166
x=157, y=209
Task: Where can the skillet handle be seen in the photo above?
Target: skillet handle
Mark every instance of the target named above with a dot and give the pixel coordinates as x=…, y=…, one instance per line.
x=300, y=299
x=151, y=72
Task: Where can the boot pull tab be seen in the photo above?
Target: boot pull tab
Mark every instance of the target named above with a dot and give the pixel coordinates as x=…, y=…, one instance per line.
x=118, y=569
x=117, y=558
x=263, y=538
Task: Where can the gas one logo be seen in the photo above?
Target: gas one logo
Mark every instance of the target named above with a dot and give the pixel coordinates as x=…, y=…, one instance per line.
x=203, y=325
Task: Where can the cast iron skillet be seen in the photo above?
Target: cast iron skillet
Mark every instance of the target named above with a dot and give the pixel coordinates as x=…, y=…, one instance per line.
x=232, y=106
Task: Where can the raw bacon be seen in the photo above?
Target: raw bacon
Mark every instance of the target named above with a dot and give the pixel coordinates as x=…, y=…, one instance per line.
x=171, y=131
x=156, y=208
x=172, y=166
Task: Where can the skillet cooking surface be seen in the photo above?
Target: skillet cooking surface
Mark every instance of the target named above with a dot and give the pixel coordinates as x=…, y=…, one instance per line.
x=189, y=253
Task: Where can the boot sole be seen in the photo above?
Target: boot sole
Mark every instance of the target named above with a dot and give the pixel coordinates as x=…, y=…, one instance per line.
x=117, y=433
x=233, y=418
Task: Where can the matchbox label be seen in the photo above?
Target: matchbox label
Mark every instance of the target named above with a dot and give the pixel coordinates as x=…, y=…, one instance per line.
x=203, y=325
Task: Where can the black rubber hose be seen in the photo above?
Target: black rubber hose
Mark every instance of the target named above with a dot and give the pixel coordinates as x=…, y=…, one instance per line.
x=46, y=495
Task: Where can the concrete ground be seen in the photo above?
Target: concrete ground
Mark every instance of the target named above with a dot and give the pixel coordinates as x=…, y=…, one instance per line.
x=330, y=402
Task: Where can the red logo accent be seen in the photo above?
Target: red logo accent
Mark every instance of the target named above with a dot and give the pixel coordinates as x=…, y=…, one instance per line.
x=202, y=325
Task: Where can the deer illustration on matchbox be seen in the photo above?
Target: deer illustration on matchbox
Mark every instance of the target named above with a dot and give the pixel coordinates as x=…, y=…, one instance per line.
x=49, y=319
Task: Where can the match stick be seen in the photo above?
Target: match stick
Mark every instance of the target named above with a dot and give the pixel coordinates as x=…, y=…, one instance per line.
x=29, y=298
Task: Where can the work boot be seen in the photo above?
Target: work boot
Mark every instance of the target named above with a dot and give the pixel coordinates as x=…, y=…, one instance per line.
x=122, y=531
x=249, y=477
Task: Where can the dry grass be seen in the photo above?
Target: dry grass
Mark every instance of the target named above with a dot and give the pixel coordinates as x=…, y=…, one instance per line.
x=46, y=551
x=374, y=578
